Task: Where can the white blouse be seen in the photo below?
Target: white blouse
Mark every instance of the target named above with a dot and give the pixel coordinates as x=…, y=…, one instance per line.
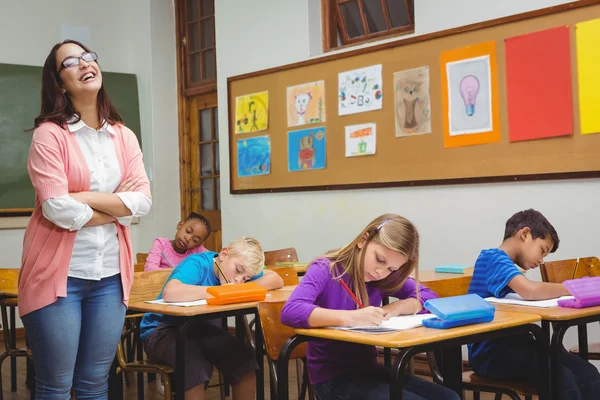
x=96, y=250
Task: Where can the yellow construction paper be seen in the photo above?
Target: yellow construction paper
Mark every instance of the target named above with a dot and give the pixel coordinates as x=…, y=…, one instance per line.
x=252, y=112
x=588, y=67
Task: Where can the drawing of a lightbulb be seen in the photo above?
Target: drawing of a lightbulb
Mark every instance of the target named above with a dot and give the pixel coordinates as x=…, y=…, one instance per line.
x=469, y=88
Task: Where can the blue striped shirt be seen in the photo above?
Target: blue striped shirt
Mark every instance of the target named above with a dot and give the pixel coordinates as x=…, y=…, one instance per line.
x=493, y=271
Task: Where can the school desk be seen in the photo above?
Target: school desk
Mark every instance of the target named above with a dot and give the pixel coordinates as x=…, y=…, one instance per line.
x=562, y=319
x=8, y=296
x=419, y=340
x=300, y=267
x=205, y=312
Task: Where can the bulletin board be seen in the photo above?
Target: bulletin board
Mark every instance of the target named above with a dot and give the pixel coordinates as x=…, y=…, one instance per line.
x=422, y=159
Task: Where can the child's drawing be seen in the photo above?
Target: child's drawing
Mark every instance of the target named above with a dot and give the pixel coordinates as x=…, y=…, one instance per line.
x=306, y=104
x=360, y=90
x=254, y=156
x=306, y=149
x=469, y=96
x=411, y=96
x=252, y=112
x=360, y=140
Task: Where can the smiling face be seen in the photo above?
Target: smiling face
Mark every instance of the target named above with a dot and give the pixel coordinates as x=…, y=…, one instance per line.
x=233, y=266
x=532, y=251
x=380, y=261
x=78, y=80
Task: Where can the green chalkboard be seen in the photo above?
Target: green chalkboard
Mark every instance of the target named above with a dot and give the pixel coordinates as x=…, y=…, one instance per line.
x=20, y=88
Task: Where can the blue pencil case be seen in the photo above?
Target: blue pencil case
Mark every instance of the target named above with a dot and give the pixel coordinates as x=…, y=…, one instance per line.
x=458, y=311
x=451, y=268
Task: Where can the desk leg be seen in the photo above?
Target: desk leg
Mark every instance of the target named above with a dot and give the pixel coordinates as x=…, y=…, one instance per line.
x=180, y=361
x=260, y=374
x=451, y=368
x=13, y=345
x=282, y=365
x=140, y=357
x=583, y=341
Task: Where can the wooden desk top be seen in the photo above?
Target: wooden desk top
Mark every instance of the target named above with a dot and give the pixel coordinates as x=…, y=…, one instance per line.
x=554, y=314
x=422, y=335
x=12, y=292
x=272, y=296
x=429, y=275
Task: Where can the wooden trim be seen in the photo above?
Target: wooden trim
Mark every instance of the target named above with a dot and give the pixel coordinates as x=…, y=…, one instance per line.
x=341, y=23
x=328, y=24
x=386, y=14
x=416, y=39
x=411, y=13
x=15, y=212
x=204, y=89
x=363, y=17
x=401, y=30
x=428, y=182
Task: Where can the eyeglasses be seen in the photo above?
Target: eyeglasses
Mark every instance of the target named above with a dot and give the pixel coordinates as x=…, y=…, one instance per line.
x=69, y=62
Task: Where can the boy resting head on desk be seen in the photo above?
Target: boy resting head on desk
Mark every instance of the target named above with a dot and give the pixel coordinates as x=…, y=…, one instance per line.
x=207, y=344
x=528, y=238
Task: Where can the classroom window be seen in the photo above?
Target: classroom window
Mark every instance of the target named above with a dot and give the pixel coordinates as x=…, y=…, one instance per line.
x=210, y=199
x=196, y=31
x=347, y=22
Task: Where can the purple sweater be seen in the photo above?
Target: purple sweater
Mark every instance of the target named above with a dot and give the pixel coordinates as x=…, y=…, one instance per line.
x=328, y=359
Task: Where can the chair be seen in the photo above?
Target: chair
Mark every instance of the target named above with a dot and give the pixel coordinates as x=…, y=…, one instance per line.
x=141, y=258
x=283, y=255
x=457, y=286
x=562, y=270
x=288, y=274
x=9, y=279
x=275, y=335
x=139, y=267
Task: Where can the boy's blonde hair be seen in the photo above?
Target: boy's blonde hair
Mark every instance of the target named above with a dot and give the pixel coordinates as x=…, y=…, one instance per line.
x=389, y=230
x=251, y=251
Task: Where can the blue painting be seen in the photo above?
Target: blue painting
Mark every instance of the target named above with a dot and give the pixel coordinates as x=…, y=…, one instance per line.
x=306, y=149
x=254, y=156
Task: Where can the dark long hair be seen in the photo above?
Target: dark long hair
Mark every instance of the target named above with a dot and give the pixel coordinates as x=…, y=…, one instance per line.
x=57, y=106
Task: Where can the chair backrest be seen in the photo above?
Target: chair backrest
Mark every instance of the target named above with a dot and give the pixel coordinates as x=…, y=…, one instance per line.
x=563, y=270
x=9, y=278
x=450, y=287
x=274, y=332
x=283, y=255
x=147, y=285
x=141, y=258
x=139, y=267
x=288, y=274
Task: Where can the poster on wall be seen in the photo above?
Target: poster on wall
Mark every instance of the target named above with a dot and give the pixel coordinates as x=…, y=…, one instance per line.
x=254, y=156
x=538, y=85
x=306, y=104
x=252, y=112
x=360, y=140
x=360, y=90
x=306, y=149
x=411, y=99
x=587, y=35
x=470, y=95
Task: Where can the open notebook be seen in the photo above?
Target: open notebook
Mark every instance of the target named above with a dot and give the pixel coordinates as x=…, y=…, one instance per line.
x=513, y=298
x=181, y=304
x=391, y=325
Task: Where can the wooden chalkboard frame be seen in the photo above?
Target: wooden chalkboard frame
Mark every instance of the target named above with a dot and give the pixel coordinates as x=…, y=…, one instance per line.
x=231, y=93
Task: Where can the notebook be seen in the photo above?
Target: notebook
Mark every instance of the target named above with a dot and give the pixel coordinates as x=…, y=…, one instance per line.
x=179, y=304
x=229, y=294
x=584, y=291
x=451, y=268
x=393, y=324
x=458, y=311
x=513, y=298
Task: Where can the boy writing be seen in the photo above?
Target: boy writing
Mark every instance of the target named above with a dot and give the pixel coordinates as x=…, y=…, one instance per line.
x=528, y=238
x=208, y=345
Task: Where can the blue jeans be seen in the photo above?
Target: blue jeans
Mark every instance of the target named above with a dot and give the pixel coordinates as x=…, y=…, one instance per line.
x=517, y=359
x=376, y=386
x=74, y=340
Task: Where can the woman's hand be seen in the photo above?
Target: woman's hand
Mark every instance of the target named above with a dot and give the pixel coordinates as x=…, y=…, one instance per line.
x=128, y=185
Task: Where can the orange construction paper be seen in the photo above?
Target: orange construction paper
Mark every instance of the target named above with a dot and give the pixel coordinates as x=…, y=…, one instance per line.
x=538, y=85
x=493, y=133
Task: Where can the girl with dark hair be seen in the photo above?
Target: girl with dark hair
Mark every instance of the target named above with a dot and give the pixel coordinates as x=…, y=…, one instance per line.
x=77, y=265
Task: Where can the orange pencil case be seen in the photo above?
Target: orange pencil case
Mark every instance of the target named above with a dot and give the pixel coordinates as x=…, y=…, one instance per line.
x=229, y=294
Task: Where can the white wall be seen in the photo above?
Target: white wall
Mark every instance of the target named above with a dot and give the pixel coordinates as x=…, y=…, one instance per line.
x=455, y=222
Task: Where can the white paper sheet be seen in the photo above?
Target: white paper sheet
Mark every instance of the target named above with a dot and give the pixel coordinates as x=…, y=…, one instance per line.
x=513, y=298
x=391, y=325
x=181, y=304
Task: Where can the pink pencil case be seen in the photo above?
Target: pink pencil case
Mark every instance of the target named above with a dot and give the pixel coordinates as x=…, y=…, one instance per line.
x=585, y=290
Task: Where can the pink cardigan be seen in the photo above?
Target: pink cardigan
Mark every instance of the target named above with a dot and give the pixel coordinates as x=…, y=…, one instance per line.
x=57, y=167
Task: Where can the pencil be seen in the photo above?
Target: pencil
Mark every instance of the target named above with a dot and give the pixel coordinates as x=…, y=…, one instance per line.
x=165, y=257
x=221, y=271
x=575, y=270
x=351, y=294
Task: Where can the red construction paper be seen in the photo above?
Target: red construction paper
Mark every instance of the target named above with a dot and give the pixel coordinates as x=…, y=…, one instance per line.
x=538, y=84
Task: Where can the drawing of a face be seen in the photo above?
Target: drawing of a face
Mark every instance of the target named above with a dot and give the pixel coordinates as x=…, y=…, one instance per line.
x=410, y=90
x=301, y=102
x=306, y=142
